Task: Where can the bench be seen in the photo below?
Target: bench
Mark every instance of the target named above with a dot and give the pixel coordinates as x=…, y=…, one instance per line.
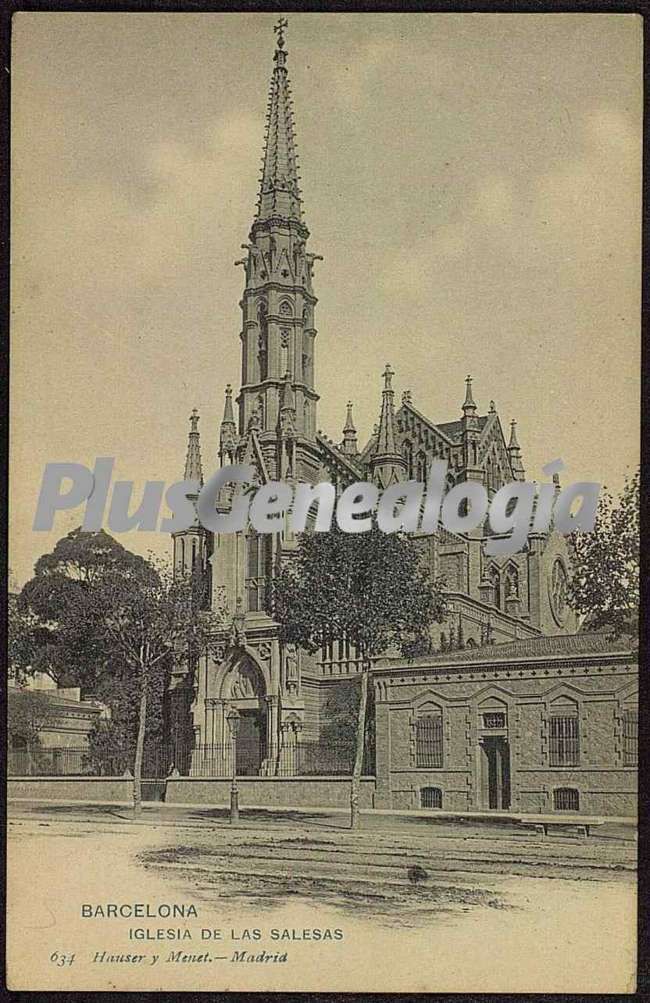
x=546, y=823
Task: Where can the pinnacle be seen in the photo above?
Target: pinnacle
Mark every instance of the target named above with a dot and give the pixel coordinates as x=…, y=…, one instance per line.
x=279, y=193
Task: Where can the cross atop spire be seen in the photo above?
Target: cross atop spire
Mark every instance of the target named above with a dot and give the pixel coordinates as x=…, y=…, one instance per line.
x=279, y=28
x=469, y=407
x=388, y=376
x=228, y=430
x=513, y=444
x=514, y=452
x=228, y=416
x=279, y=191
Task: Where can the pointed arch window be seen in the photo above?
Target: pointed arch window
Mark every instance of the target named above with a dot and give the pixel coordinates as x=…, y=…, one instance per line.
x=263, y=343
x=284, y=352
x=258, y=569
x=495, y=581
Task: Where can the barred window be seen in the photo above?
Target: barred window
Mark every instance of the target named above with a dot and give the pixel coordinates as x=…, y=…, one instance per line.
x=630, y=736
x=431, y=797
x=428, y=741
x=494, y=719
x=564, y=736
x=566, y=799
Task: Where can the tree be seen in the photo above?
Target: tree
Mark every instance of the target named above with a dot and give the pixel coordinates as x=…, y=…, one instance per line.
x=112, y=622
x=604, y=586
x=371, y=588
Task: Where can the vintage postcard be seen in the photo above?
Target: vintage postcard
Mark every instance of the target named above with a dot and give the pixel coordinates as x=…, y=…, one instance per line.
x=324, y=501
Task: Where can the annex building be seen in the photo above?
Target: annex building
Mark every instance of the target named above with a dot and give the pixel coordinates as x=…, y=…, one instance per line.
x=513, y=707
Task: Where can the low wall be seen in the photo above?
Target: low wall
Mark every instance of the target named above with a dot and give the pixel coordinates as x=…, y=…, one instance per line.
x=262, y=792
x=101, y=790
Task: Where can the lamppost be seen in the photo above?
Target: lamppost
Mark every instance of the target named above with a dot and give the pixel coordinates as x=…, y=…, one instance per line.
x=232, y=717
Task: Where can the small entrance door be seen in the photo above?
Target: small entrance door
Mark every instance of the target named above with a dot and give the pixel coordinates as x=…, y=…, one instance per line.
x=251, y=743
x=495, y=762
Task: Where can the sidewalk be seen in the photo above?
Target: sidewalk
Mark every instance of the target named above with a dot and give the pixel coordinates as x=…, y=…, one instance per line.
x=265, y=816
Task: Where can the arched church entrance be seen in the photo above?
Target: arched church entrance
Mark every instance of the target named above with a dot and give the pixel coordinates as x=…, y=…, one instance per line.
x=245, y=691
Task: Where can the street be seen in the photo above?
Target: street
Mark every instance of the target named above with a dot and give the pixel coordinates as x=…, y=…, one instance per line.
x=432, y=906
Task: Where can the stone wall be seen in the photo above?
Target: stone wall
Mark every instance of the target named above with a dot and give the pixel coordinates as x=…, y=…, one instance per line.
x=98, y=790
x=263, y=792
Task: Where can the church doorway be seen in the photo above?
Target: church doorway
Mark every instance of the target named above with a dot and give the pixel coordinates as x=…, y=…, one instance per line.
x=495, y=769
x=251, y=743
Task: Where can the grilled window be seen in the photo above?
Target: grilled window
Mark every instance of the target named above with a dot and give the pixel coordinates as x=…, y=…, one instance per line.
x=564, y=737
x=566, y=799
x=428, y=741
x=630, y=737
x=494, y=719
x=431, y=797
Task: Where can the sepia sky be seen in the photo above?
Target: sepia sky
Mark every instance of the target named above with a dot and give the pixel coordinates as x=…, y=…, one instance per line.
x=472, y=182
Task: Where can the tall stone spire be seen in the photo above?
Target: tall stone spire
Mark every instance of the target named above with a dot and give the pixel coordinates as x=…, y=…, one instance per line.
x=470, y=436
x=190, y=544
x=514, y=452
x=278, y=330
x=349, y=443
x=228, y=431
x=387, y=464
x=279, y=191
x=193, y=468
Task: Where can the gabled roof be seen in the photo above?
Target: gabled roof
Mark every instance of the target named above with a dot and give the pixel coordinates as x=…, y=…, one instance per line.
x=557, y=645
x=453, y=429
x=439, y=429
x=352, y=464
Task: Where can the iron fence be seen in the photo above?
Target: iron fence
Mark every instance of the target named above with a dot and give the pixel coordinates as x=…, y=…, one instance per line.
x=55, y=762
x=302, y=758
x=299, y=758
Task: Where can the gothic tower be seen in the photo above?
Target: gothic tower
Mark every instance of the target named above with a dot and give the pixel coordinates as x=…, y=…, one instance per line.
x=277, y=395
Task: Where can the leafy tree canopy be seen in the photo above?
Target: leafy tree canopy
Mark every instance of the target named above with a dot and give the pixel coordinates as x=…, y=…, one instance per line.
x=113, y=623
x=61, y=624
x=372, y=588
x=604, y=586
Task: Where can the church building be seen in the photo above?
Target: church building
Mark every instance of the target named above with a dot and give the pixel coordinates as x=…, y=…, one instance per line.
x=282, y=694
